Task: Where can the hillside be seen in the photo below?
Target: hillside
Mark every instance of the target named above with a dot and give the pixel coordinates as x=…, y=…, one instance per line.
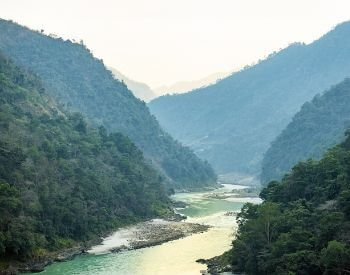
x=319, y=125
x=302, y=227
x=233, y=122
x=55, y=168
x=139, y=89
x=81, y=82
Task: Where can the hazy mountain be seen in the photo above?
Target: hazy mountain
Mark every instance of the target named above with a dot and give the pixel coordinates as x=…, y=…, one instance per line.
x=82, y=83
x=233, y=122
x=139, y=89
x=185, y=86
x=319, y=125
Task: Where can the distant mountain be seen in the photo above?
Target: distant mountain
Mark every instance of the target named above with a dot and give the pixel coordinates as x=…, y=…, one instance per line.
x=232, y=123
x=62, y=181
x=319, y=125
x=139, y=89
x=185, y=86
x=82, y=83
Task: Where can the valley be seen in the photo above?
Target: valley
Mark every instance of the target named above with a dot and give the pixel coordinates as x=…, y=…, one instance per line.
x=111, y=164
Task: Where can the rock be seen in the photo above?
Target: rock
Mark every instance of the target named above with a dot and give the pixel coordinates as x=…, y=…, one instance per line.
x=216, y=266
x=174, y=217
x=230, y=213
x=179, y=204
x=201, y=261
x=119, y=249
x=37, y=268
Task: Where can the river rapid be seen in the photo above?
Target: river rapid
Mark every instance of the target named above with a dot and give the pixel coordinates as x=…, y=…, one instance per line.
x=174, y=257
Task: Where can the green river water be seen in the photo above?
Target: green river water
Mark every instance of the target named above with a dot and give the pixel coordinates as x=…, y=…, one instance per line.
x=175, y=257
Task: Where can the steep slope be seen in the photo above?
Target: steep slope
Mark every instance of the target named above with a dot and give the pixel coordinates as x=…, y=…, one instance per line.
x=319, y=125
x=60, y=180
x=75, y=78
x=302, y=227
x=139, y=89
x=232, y=123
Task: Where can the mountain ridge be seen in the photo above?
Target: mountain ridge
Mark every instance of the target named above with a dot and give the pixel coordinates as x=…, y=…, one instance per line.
x=232, y=123
x=63, y=182
x=76, y=79
x=319, y=125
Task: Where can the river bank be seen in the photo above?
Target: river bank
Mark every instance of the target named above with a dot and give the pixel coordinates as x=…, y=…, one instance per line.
x=153, y=232
x=39, y=263
x=140, y=235
x=177, y=256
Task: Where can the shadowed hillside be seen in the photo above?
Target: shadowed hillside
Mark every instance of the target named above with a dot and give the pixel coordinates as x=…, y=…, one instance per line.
x=61, y=181
x=319, y=124
x=233, y=122
x=82, y=83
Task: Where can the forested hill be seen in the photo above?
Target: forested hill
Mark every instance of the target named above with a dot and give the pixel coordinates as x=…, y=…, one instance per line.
x=303, y=225
x=319, y=125
x=60, y=180
x=233, y=122
x=75, y=78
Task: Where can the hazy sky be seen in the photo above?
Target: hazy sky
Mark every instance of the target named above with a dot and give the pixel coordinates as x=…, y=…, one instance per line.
x=164, y=41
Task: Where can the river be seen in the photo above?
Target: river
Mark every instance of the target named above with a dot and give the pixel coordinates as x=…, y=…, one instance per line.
x=175, y=257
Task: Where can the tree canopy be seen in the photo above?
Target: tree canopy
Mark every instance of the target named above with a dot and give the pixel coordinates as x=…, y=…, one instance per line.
x=302, y=227
x=62, y=180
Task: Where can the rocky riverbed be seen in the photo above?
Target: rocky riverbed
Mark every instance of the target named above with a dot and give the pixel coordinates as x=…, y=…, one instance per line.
x=146, y=234
x=136, y=247
x=140, y=235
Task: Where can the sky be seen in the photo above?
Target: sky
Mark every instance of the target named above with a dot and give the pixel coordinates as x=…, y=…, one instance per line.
x=160, y=42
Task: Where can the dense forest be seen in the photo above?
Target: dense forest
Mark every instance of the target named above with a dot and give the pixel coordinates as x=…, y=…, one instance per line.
x=233, y=122
x=319, y=125
x=303, y=225
x=75, y=78
x=61, y=180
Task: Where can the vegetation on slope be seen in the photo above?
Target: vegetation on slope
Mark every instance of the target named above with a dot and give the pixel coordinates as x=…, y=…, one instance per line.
x=75, y=78
x=62, y=181
x=319, y=125
x=233, y=122
x=303, y=225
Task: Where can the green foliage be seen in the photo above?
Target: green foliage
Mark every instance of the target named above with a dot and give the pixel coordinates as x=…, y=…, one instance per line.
x=62, y=181
x=335, y=258
x=82, y=83
x=232, y=122
x=302, y=227
x=319, y=125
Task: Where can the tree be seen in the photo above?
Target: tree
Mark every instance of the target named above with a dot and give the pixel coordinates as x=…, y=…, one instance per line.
x=336, y=258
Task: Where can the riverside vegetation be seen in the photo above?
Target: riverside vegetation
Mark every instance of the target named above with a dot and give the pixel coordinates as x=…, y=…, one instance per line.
x=303, y=225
